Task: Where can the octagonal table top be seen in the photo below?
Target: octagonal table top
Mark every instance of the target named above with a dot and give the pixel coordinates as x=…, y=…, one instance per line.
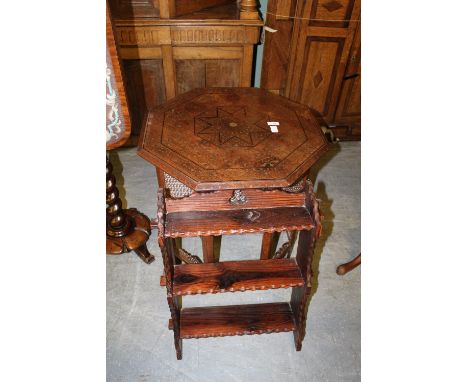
x=221, y=138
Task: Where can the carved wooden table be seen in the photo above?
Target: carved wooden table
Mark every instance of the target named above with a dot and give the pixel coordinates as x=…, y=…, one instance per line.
x=234, y=161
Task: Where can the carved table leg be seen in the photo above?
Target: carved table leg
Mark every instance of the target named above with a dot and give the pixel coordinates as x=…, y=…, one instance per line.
x=269, y=243
x=349, y=266
x=305, y=251
x=168, y=248
x=300, y=295
x=126, y=230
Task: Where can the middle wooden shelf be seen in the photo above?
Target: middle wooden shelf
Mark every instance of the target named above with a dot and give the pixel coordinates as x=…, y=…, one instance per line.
x=231, y=276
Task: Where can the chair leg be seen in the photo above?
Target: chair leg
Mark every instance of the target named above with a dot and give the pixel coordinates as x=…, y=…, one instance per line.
x=349, y=266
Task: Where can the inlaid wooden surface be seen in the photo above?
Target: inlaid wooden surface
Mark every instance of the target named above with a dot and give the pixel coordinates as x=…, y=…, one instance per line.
x=212, y=139
x=231, y=320
x=204, y=223
x=230, y=276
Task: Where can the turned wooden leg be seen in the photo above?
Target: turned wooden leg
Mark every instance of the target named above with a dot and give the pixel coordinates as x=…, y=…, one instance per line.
x=126, y=230
x=349, y=266
x=269, y=243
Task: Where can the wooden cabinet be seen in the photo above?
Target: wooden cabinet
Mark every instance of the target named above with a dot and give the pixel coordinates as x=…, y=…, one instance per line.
x=175, y=46
x=314, y=58
x=348, y=112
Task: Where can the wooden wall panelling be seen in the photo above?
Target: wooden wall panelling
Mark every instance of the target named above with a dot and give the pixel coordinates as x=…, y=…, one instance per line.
x=349, y=105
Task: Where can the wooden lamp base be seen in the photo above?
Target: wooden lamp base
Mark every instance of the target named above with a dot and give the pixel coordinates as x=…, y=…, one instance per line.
x=126, y=230
x=135, y=240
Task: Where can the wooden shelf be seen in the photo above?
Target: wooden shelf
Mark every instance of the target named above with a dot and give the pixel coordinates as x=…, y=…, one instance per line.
x=232, y=320
x=206, y=223
x=220, y=12
x=231, y=276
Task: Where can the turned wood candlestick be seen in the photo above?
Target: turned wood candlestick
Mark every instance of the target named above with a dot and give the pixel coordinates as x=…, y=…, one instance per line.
x=126, y=229
x=248, y=10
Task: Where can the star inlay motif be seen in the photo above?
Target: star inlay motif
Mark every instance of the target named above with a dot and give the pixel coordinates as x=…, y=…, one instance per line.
x=232, y=126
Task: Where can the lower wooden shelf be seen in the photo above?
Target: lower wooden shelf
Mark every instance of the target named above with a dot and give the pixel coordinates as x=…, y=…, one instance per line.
x=231, y=276
x=236, y=320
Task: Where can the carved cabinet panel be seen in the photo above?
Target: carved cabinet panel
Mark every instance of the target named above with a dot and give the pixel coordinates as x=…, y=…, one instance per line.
x=192, y=74
x=330, y=13
x=309, y=58
x=315, y=81
x=169, y=55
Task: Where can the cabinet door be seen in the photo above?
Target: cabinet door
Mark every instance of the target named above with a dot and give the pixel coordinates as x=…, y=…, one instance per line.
x=348, y=112
x=144, y=81
x=192, y=74
x=322, y=38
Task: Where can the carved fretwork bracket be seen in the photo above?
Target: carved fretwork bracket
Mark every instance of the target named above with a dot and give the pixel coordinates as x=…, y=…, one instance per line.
x=286, y=249
x=186, y=257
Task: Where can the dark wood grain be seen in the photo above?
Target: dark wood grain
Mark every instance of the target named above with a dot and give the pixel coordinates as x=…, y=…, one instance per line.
x=208, y=249
x=232, y=320
x=230, y=276
x=206, y=223
x=219, y=200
